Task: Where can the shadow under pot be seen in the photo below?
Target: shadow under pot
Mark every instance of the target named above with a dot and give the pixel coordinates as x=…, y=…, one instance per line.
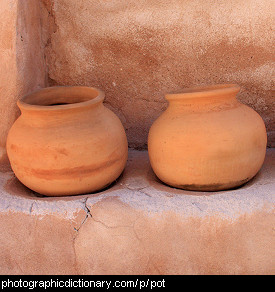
x=66, y=142
x=207, y=140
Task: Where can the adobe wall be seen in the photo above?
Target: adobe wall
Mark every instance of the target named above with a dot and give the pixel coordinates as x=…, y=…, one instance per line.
x=139, y=226
x=22, y=63
x=136, y=51
x=8, y=70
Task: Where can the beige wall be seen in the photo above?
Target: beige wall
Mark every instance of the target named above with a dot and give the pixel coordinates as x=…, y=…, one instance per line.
x=22, y=64
x=8, y=70
x=136, y=51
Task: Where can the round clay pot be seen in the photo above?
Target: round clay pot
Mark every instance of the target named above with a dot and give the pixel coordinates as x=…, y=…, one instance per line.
x=66, y=142
x=207, y=140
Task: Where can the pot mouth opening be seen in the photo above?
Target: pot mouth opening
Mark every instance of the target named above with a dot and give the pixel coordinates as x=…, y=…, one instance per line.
x=61, y=97
x=204, y=91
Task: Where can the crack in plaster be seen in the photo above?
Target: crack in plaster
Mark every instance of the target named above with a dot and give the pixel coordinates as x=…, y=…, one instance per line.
x=132, y=227
x=195, y=204
x=111, y=227
x=137, y=189
x=88, y=214
x=77, y=229
x=31, y=207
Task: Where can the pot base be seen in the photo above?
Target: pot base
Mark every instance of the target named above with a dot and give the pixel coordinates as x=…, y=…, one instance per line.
x=211, y=187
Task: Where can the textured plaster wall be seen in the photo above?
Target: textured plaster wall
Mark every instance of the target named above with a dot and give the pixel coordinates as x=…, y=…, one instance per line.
x=139, y=226
x=136, y=51
x=22, y=63
x=7, y=68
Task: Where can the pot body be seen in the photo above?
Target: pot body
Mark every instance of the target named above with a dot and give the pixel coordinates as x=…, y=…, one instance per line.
x=75, y=146
x=207, y=140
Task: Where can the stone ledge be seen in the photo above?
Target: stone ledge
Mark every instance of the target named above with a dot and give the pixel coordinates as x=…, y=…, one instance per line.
x=139, y=226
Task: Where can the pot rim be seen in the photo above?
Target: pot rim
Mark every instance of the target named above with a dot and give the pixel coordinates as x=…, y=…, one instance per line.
x=205, y=91
x=24, y=104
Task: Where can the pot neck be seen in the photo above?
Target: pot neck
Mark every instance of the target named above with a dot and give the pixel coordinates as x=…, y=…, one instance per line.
x=204, y=98
x=60, y=103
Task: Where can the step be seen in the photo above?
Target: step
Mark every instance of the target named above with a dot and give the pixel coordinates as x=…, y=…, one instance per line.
x=139, y=226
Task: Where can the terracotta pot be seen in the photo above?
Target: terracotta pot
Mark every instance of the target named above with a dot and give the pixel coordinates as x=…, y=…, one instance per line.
x=207, y=140
x=66, y=142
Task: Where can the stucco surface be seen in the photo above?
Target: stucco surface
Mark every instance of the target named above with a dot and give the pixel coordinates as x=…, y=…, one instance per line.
x=7, y=69
x=136, y=51
x=22, y=63
x=139, y=226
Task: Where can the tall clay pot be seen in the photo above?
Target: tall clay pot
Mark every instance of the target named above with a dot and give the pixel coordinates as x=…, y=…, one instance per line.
x=66, y=142
x=207, y=140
